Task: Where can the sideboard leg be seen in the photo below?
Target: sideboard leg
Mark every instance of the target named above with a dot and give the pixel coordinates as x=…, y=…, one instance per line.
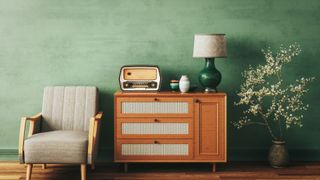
x=125, y=167
x=213, y=167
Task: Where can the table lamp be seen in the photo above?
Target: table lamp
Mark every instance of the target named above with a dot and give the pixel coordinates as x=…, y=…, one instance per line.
x=209, y=46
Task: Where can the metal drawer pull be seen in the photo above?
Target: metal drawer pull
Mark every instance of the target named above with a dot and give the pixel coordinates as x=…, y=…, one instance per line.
x=156, y=142
x=197, y=101
x=156, y=99
x=156, y=120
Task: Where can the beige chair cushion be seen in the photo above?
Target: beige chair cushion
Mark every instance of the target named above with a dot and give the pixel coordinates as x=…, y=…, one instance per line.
x=68, y=107
x=57, y=147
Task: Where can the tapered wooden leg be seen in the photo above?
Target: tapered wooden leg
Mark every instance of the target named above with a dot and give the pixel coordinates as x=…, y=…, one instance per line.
x=125, y=166
x=83, y=171
x=44, y=166
x=214, y=167
x=29, y=171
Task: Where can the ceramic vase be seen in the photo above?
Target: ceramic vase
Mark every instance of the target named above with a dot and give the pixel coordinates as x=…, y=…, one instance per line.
x=184, y=84
x=278, y=155
x=174, y=85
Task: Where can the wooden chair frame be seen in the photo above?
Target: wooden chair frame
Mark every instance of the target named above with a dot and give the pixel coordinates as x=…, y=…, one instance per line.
x=92, y=140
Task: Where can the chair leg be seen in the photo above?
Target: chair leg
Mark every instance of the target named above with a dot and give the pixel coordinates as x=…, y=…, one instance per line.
x=93, y=166
x=29, y=171
x=125, y=167
x=214, y=167
x=44, y=166
x=83, y=171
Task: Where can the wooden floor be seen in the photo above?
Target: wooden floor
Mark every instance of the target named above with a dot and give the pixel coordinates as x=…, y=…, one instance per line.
x=244, y=170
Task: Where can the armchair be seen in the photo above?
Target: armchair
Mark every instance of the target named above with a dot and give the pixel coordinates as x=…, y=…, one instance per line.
x=69, y=129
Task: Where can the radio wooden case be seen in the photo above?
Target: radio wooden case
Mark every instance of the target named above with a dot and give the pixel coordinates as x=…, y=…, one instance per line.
x=140, y=78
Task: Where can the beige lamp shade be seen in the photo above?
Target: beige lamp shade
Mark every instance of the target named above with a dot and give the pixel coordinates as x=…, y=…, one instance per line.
x=209, y=45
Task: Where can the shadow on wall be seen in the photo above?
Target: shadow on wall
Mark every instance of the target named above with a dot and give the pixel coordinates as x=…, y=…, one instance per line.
x=253, y=142
x=243, y=52
x=106, y=129
x=167, y=75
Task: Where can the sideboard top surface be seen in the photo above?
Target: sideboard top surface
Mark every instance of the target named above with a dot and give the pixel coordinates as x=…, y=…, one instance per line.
x=167, y=93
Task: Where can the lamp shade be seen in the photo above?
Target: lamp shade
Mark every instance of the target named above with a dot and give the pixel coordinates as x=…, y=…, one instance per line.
x=209, y=46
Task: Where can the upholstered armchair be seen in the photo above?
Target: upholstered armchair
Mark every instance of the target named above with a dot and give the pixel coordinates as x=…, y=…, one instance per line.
x=65, y=132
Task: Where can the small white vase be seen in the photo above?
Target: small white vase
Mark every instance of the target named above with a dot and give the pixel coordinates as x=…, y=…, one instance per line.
x=184, y=84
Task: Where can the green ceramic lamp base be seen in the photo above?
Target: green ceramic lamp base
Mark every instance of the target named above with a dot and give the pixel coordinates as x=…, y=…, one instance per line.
x=209, y=76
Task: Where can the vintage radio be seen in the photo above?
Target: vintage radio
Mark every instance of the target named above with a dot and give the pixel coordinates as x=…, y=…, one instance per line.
x=140, y=78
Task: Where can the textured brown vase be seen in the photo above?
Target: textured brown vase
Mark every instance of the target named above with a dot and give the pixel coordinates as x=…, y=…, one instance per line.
x=278, y=154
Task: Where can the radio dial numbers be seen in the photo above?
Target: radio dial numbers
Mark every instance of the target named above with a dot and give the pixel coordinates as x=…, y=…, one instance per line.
x=140, y=84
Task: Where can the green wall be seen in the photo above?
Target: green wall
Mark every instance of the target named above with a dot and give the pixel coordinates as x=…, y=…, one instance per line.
x=81, y=42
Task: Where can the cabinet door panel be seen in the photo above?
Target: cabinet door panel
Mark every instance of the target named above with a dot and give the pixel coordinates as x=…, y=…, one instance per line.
x=210, y=128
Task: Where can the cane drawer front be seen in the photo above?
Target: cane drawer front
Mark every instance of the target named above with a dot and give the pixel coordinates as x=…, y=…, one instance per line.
x=155, y=128
x=154, y=107
x=155, y=149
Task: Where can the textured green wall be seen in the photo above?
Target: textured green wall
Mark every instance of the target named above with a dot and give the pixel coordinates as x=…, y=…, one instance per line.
x=81, y=42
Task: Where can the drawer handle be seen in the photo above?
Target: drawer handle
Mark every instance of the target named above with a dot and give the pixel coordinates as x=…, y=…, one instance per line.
x=197, y=101
x=156, y=142
x=156, y=120
x=156, y=99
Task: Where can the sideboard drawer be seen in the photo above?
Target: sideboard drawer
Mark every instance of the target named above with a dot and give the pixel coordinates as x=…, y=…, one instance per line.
x=157, y=149
x=154, y=107
x=155, y=128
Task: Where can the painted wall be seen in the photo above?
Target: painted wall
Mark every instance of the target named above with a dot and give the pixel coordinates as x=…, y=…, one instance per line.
x=80, y=42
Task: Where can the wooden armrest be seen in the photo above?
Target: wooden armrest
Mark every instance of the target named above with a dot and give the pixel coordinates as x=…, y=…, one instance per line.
x=98, y=116
x=35, y=117
x=93, y=130
x=33, y=120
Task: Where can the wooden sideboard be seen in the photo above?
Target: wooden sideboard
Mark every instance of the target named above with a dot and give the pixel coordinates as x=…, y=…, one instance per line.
x=170, y=127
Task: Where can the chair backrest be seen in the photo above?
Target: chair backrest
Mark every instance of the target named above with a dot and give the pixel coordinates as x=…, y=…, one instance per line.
x=68, y=107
